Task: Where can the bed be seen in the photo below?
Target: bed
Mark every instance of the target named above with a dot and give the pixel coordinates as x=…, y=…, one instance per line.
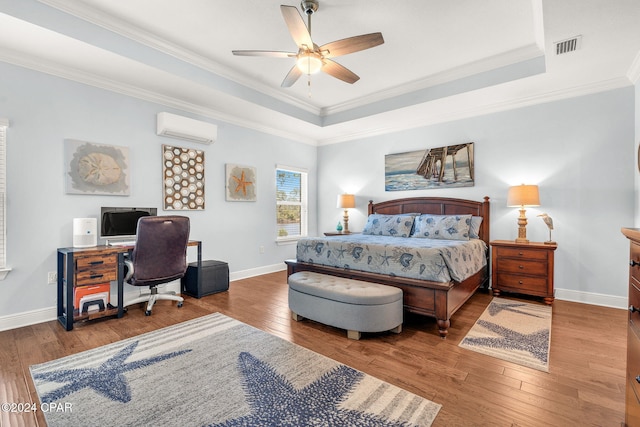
x=430, y=288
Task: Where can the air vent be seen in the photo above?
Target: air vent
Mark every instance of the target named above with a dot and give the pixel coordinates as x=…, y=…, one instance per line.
x=569, y=45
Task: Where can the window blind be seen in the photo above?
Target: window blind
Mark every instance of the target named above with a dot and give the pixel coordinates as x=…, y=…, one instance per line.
x=291, y=202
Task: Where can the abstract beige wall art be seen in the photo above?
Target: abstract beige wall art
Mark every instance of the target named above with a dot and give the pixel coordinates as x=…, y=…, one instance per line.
x=96, y=168
x=241, y=183
x=183, y=178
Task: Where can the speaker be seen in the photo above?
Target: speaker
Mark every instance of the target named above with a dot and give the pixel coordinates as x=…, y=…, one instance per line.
x=85, y=232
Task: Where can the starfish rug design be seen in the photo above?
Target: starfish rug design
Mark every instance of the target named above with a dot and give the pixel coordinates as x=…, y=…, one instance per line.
x=218, y=371
x=514, y=331
x=107, y=379
x=316, y=404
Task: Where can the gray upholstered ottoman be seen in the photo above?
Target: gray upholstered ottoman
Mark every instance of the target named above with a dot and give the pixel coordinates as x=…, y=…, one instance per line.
x=353, y=305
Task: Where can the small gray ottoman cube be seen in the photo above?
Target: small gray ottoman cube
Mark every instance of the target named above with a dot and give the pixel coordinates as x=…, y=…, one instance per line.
x=349, y=304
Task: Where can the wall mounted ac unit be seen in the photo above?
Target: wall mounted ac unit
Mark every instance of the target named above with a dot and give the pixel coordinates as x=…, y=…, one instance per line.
x=174, y=126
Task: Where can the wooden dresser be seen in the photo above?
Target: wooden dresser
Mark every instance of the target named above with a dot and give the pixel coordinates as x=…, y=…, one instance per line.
x=525, y=268
x=632, y=406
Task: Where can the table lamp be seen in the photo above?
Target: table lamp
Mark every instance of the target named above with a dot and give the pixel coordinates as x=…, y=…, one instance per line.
x=346, y=201
x=521, y=196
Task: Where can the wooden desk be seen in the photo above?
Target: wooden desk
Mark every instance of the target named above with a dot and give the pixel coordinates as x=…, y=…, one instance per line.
x=90, y=266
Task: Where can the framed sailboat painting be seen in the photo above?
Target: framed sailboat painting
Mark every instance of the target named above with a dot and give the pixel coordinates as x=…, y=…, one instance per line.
x=439, y=167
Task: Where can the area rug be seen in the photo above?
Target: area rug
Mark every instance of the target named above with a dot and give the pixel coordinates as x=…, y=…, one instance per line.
x=515, y=331
x=218, y=371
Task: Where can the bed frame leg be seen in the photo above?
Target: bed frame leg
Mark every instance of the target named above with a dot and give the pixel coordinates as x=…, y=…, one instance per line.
x=443, y=327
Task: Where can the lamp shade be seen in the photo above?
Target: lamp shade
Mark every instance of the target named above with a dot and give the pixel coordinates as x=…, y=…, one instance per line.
x=346, y=201
x=309, y=63
x=523, y=195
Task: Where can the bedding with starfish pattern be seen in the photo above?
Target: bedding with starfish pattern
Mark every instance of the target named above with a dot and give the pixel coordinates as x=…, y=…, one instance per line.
x=416, y=258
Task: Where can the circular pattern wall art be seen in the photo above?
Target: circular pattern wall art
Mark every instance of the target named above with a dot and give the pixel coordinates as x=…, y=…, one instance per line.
x=183, y=178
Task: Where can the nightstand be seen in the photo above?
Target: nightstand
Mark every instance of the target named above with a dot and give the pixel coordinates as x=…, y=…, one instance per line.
x=524, y=268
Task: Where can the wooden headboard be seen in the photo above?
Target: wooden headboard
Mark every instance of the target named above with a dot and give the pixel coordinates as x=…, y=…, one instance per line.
x=437, y=206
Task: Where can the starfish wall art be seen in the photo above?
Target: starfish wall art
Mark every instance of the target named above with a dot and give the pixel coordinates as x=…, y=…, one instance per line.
x=241, y=183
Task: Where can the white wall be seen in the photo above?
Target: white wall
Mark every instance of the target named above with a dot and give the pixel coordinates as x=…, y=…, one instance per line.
x=44, y=110
x=636, y=155
x=579, y=151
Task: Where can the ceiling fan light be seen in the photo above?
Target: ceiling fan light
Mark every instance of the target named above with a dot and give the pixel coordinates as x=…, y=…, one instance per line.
x=309, y=63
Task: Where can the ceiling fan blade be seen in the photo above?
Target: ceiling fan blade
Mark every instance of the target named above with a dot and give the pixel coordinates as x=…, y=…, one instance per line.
x=269, y=53
x=293, y=75
x=339, y=72
x=351, y=44
x=296, y=26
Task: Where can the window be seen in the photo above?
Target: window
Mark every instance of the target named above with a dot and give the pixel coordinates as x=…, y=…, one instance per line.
x=4, y=124
x=291, y=203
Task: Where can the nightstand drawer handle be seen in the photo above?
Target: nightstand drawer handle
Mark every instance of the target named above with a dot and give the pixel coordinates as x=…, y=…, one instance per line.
x=96, y=276
x=633, y=263
x=519, y=282
x=96, y=262
x=633, y=309
x=520, y=253
x=521, y=267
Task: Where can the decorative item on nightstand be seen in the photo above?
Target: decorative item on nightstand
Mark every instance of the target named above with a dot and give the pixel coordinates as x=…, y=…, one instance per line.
x=522, y=196
x=549, y=221
x=346, y=202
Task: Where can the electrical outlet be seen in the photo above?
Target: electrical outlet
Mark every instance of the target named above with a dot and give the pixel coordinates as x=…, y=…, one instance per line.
x=261, y=248
x=52, y=278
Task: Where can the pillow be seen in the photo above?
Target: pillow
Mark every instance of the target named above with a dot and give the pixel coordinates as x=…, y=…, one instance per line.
x=474, y=228
x=389, y=225
x=443, y=227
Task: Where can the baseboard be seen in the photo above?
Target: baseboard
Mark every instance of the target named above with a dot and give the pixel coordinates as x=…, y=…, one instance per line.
x=27, y=318
x=252, y=272
x=592, y=298
x=47, y=314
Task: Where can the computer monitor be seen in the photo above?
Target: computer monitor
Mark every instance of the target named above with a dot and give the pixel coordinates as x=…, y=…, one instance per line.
x=121, y=222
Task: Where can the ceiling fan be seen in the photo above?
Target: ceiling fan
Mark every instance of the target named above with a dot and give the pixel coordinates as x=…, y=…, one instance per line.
x=310, y=57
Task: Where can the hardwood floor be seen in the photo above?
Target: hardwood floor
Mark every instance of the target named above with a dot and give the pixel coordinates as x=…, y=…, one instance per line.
x=584, y=386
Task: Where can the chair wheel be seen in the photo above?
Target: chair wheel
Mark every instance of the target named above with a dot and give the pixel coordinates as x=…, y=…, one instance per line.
x=147, y=313
x=179, y=304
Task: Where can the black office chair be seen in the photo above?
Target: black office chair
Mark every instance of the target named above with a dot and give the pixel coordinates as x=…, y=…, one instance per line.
x=159, y=256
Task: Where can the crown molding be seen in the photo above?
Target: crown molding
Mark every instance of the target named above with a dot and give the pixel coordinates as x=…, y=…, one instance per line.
x=634, y=70
x=487, y=64
x=90, y=79
x=37, y=64
x=104, y=20
x=431, y=119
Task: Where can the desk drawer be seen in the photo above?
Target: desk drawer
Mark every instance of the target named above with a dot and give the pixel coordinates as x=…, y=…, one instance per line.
x=91, y=270
x=96, y=262
x=536, y=268
x=92, y=277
